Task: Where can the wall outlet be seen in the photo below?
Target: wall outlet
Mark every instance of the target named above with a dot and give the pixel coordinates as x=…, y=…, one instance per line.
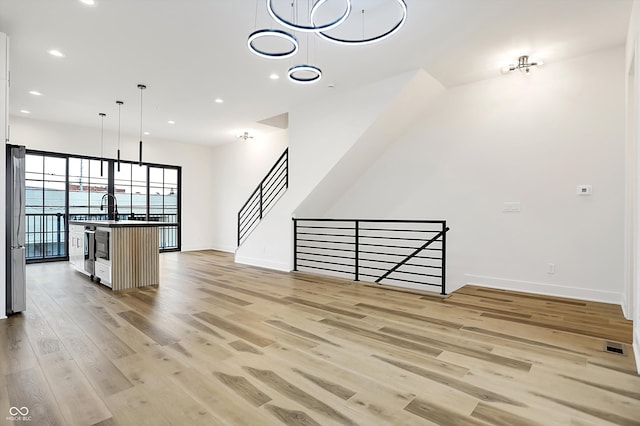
x=584, y=190
x=551, y=268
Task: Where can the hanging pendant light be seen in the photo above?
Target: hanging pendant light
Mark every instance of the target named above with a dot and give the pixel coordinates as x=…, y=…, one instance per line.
x=257, y=35
x=102, y=116
x=305, y=73
x=313, y=28
x=141, y=87
x=119, y=103
x=365, y=40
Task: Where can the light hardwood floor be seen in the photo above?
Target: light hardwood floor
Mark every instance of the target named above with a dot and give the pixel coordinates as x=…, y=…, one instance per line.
x=220, y=343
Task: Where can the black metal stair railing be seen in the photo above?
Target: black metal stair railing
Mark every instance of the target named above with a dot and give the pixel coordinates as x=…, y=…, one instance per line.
x=396, y=252
x=274, y=184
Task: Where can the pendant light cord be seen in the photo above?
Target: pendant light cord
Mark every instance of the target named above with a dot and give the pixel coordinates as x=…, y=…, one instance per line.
x=119, y=106
x=119, y=103
x=141, y=87
x=255, y=23
x=102, y=116
x=101, y=135
x=140, y=113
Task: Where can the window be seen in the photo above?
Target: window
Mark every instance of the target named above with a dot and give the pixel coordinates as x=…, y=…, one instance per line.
x=45, y=207
x=97, y=188
x=61, y=187
x=78, y=184
x=163, y=203
x=86, y=189
x=130, y=189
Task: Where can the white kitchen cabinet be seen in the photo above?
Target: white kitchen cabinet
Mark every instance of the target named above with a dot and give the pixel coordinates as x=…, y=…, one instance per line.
x=76, y=246
x=103, y=272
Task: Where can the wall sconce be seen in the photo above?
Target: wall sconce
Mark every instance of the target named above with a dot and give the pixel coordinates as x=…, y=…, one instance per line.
x=523, y=65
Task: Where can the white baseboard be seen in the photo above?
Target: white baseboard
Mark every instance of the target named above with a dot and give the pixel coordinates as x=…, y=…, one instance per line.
x=636, y=346
x=545, y=289
x=624, y=304
x=224, y=248
x=183, y=248
x=263, y=263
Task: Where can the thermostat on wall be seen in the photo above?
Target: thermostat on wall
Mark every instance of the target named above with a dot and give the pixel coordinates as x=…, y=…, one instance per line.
x=584, y=190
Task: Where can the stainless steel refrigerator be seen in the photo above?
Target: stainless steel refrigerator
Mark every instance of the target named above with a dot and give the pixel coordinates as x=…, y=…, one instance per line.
x=16, y=251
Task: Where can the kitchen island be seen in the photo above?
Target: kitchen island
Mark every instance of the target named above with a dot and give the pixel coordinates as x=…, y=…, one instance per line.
x=120, y=254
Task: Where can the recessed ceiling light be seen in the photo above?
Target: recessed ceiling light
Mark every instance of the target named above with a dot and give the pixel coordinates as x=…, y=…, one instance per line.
x=56, y=53
x=171, y=122
x=88, y=2
x=274, y=76
x=24, y=111
x=219, y=101
x=35, y=93
x=147, y=133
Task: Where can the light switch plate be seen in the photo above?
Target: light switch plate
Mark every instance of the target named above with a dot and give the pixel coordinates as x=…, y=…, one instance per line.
x=511, y=207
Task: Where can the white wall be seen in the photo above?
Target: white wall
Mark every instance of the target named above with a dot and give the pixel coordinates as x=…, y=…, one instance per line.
x=407, y=106
x=194, y=159
x=320, y=133
x=632, y=255
x=516, y=138
x=237, y=168
x=4, y=94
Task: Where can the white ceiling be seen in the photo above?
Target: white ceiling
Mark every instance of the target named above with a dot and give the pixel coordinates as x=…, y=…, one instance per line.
x=189, y=52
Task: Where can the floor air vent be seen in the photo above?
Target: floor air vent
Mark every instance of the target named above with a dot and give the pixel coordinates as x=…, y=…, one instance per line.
x=614, y=348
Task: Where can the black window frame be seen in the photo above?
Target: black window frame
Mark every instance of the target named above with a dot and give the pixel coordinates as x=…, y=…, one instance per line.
x=110, y=164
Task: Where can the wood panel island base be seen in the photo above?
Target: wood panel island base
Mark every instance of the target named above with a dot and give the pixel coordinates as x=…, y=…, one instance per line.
x=120, y=254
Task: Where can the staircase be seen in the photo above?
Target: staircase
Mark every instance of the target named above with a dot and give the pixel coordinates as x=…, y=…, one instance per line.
x=270, y=189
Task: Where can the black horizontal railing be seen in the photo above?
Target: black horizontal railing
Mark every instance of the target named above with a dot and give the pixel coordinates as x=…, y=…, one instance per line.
x=396, y=252
x=46, y=233
x=264, y=196
x=167, y=234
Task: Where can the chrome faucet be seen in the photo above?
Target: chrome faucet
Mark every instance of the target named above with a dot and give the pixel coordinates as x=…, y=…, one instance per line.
x=115, y=203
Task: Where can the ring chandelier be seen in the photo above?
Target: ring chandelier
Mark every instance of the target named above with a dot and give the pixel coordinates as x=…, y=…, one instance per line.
x=354, y=42
x=315, y=28
x=273, y=33
x=294, y=72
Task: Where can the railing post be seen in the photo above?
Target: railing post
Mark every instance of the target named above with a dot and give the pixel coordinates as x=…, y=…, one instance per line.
x=443, y=290
x=260, y=200
x=43, y=242
x=286, y=165
x=295, y=244
x=58, y=232
x=357, y=236
x=239, y=211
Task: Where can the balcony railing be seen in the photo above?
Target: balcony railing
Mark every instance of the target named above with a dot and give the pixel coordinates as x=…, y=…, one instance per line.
x=46, y=233
x=45, y=236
